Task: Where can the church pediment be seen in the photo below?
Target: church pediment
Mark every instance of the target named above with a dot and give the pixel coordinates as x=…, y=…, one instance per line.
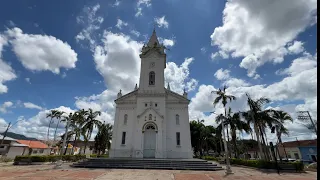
x=127, y=97
x=175, y=97
x=150, y=109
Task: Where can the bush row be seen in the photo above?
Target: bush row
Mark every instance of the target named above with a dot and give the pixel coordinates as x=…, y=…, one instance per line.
x=211, y=158
x=98, y=156
x=262, y=164
x=49, y=158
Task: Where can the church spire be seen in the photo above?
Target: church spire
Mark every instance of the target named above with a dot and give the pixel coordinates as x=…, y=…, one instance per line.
x=168, y=86
x=153, y=41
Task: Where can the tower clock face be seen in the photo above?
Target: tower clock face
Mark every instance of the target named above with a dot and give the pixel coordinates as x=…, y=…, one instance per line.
x=152, y=64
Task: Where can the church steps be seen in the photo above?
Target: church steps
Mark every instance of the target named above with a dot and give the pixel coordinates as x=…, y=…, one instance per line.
x=147, y=164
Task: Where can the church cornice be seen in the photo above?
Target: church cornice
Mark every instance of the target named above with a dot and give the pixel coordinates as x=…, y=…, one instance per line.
x=146, y=93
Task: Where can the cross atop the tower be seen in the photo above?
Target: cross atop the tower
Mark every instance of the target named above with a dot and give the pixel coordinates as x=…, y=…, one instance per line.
x=153, y=41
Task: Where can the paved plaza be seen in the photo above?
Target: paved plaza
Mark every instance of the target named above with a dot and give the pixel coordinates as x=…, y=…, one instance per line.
x=47, y=172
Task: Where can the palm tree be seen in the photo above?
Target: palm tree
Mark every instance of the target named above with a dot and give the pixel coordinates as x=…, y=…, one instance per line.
x=52, y=114
x=67, y=119
x=89, y=124
x=233, y=119
x=224, y=97
x=260, y=119
x=58, y=116
x=76, y=125
x=280, y=117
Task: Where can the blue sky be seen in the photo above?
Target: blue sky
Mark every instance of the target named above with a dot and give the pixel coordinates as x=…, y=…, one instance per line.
x=262, y=45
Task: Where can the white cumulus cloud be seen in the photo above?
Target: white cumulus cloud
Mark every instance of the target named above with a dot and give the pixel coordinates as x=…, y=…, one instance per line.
x=251, y=31
x=6, y=72
x=161, y=22
x=296, y=47
x=5, y=105
x=41, y=52
x=30, y=105
x=91, y=23
x=179, y=76
x=140, y=5
x=120, y=24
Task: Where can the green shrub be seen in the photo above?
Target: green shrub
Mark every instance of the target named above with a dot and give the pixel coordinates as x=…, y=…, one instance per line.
x=49, y=158
x=263, y=164
x=210, y=158
x=93, y=155
x=99, y=156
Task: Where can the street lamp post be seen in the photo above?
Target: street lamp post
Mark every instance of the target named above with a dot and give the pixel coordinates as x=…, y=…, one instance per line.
x=228, y=168
x=6, y=131
x=304, y=117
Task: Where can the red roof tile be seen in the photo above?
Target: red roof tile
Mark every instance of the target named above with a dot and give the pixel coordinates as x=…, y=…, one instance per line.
x=33, y=144
x=301, y=143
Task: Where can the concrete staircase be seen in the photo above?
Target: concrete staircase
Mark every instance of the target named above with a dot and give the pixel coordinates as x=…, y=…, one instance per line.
x=170, y=164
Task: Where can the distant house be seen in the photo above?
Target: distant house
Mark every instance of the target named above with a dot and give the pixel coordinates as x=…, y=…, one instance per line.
x=79, y=147
x=303, y=150
x=11, y=148
x=252, y=153
x=308, y=150
x=35, y=147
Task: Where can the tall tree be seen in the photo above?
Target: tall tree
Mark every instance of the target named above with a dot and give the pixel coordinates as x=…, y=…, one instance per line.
x=52, y=114
x=233, y=119
x=89, y=124
x=260, y=119
x=58, y=116
x=202, y=137
x=280, y=117
x=71, y=119
x=103, y=137
x=223, y=97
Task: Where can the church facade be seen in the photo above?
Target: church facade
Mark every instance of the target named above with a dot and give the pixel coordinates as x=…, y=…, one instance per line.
x=151, y=121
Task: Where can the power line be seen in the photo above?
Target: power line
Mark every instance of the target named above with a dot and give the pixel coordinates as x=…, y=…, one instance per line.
x=305, y=116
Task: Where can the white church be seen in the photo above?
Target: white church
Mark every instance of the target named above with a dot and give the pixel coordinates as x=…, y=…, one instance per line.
x=151, y=121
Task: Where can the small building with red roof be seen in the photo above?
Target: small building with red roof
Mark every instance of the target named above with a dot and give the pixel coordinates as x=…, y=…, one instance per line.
x=35, y=147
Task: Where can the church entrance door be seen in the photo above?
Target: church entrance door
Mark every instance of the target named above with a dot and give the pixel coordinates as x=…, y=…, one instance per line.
x=149, y=149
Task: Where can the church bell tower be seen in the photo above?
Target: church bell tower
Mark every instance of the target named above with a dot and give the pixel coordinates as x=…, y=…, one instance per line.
x=153, y=63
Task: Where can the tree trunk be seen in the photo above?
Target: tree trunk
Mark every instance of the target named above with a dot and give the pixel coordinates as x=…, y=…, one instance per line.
x=55, y=131
x=48, y=131
x=263, y=144
x=259, y=142
x=234, y=140
x=74, y=143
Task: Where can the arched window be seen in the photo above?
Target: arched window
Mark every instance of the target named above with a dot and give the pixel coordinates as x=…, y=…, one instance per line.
x=152, y=78
x=177, y=119
x=125, y=119
x=150, y=116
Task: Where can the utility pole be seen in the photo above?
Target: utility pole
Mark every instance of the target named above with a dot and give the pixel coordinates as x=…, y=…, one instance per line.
x=5, y=133
x=305, y=115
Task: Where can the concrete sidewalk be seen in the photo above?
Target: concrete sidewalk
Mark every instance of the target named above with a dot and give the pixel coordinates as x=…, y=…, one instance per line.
x=47, y=172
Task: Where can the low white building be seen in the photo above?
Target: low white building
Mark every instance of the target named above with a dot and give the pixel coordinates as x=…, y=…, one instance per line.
x=151, y=121
x=11, y=148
